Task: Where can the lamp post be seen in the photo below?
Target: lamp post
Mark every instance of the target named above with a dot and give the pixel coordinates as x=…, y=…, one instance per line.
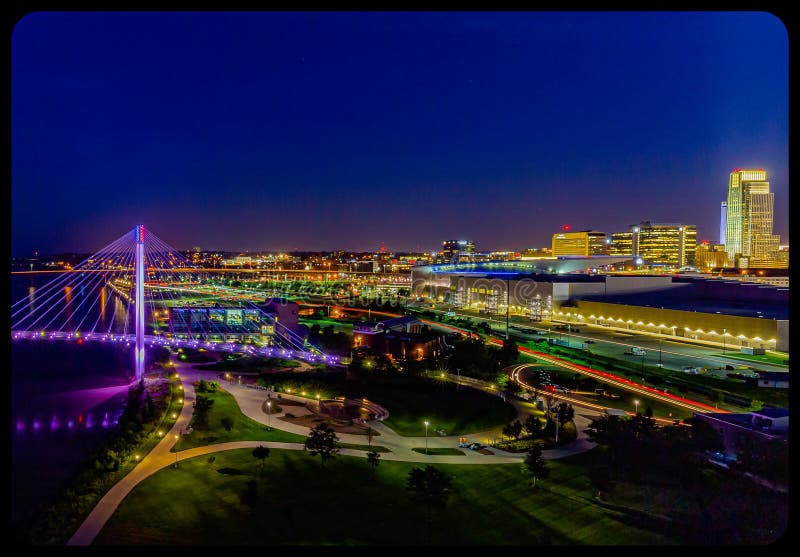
x=636, y=402
x=508, y=294
x=426, y=436
x=176, y=452
x=269, y=412
x=659, y=354
x=724, y=332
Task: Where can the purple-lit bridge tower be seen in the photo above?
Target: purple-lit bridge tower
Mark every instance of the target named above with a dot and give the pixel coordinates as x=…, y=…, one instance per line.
x=139, y=304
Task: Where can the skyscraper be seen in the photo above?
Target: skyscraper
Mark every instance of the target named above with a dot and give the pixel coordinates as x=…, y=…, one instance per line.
x=723, y=218
x=748, y=231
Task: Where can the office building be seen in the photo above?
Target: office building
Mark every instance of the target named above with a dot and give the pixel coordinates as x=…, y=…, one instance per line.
x=659, y=244
x=586, y=242
x=749, y=240
x=710, y=256
x=454, y=250
x=621, y=244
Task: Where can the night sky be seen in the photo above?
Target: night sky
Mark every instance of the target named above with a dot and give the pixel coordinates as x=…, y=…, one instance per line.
x=276, y=131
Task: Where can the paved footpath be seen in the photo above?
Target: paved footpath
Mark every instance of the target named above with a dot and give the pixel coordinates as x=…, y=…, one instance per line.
x=251, y=402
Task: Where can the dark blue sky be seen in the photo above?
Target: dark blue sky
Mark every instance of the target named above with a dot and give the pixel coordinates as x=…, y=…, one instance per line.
x=267, y=131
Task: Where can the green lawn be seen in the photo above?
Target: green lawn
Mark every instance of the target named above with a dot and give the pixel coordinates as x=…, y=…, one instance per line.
x=773, y=359
x=343, y=503
x=412, y=400
x=338, y=326
x=244, y=428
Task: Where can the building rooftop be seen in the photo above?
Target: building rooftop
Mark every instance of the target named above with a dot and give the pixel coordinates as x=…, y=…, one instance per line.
x=774, y=375
x=773, y=413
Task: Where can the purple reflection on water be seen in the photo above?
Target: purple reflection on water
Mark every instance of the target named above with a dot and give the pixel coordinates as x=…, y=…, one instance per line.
x=89, y=421
x=70, y=424
x=20, y=425
x=37, y=425
x=54, y=424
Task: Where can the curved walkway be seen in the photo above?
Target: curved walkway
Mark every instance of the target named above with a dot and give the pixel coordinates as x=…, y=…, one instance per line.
x=251, y=401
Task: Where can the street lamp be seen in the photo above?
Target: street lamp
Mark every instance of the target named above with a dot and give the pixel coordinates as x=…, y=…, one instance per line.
x=724, y=332
x=176, y=452
x=269, y=411
x=636, y=402
x=659, y=354
x=426, y=436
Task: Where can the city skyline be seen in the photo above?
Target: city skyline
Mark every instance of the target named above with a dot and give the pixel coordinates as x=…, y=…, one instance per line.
x=288, y=133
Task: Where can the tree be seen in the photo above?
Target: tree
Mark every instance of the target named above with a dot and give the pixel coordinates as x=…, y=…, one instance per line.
x=509, y=352
x=322, y=441
x=202, y=406
x=532, y=425
x=513, y=429
x=261, y=453
x=534, y=464
x=564, y=412
x=373, y=459
x=227, y=422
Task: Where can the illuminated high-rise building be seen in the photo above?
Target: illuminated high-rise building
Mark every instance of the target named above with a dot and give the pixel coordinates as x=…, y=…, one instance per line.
x=665, y=244
x=586, y=242
x=671, y=245
x=748, y=232
x=453, y=249
x=621, y=243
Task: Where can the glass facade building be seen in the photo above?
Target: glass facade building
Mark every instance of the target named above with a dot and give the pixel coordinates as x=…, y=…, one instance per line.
x=667, y=244
x=748, y=227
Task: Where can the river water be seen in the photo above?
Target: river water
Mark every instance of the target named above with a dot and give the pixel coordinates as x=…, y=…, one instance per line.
x=65, y=399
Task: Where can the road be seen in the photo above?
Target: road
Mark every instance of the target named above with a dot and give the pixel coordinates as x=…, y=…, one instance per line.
x=519, y=375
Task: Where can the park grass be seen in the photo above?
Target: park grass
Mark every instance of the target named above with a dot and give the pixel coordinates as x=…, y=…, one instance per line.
x=412, y=400
x=456, y=411
x=338, y=326
x=774, y=359
x=438, y=451
x=302, y=502
x=244, y=428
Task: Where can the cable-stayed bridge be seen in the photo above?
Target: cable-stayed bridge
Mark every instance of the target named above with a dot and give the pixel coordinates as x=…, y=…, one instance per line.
x=134, y=291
